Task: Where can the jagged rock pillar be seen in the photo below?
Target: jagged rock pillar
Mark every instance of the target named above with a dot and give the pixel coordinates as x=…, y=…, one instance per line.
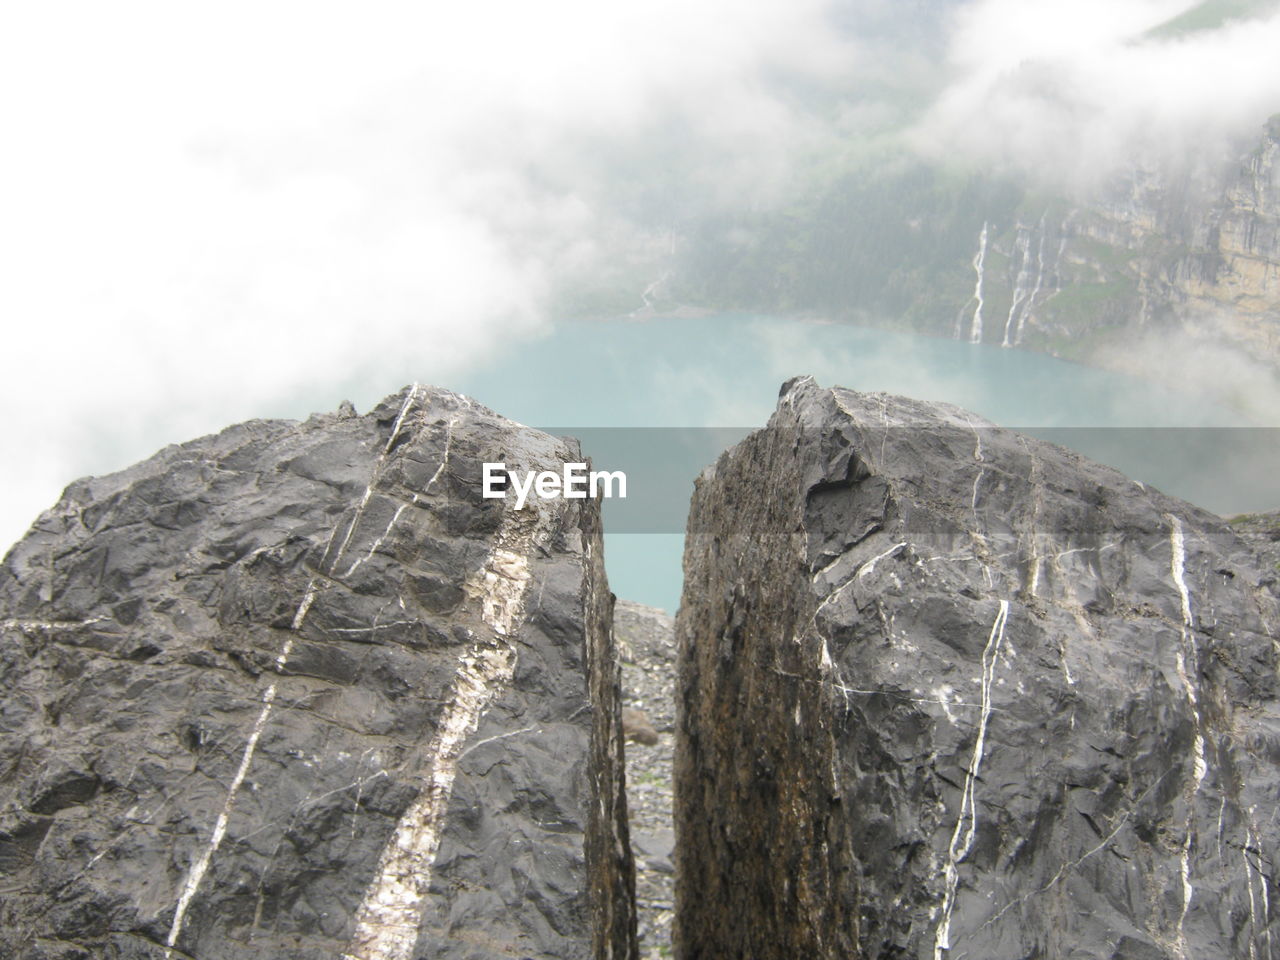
x=949, y=692
x=300, y=691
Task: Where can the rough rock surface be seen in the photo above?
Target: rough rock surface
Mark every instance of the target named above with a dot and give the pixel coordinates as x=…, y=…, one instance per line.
x=297, y=690
x=1262, y=532
x=949, y=692
x=646, y=643
x=1179, y=248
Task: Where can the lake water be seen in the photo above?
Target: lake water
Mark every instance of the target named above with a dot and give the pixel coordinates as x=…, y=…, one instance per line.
x=725, y=371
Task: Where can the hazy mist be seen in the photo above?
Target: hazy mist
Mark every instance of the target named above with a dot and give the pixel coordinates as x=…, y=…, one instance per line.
x=257, y=209
x=1070, y=93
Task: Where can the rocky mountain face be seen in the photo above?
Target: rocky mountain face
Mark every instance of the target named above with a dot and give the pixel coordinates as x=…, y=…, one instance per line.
x=936, y=690
x=1197, y=249
x=297, y=690
x=1088, y=273
x=949, y=692
x=1262, y=532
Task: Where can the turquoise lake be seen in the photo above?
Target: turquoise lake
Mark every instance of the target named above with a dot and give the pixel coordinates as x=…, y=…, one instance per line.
x=725, y=371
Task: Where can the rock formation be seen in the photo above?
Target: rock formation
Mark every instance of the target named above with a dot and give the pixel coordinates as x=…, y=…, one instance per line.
x=1196, y=249
x=949, y=692
x=1158, y=249
x=1177, y=251
x=1262, y=532
x=299, y=691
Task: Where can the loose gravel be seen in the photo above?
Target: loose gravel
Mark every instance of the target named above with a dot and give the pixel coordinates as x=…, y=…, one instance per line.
x=646, y=639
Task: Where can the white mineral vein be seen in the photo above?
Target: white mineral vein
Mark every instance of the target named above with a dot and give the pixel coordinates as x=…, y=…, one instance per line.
x=967, y=821
x=870, y=565
x=373, y=547
x=389, y=917
x=1177, y=568
x=201, y=865
x=373, y=480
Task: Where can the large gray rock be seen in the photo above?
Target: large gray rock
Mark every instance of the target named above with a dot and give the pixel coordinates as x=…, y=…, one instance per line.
x=298, y=691
x=949, y=692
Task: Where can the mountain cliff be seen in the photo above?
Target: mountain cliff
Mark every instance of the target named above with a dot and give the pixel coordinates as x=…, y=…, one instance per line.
x=1195, y=249
x=946, y=691
x=1191, y=249
x=296, y=690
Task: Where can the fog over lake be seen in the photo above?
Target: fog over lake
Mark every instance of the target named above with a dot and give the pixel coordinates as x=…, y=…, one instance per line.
x=615, y=378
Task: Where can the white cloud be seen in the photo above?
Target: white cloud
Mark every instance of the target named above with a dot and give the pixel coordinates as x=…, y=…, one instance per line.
x=1073, y=91
x=212, y=213
x=254, y=209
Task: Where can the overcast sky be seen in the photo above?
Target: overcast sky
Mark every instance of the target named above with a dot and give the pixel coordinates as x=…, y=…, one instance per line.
x=214, y=212
x=1074, y=91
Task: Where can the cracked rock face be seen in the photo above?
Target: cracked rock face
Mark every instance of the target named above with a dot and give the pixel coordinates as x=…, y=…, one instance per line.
x=949, y=692
x=299, y=691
